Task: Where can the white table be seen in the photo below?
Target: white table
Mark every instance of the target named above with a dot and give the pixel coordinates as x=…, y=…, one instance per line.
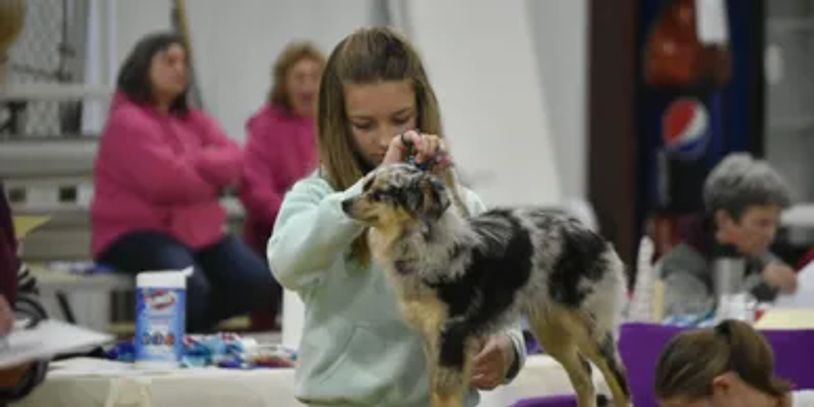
x=92, y=382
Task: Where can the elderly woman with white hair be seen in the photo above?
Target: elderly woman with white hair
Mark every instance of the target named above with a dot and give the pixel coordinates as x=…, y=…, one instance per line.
x=743, y=199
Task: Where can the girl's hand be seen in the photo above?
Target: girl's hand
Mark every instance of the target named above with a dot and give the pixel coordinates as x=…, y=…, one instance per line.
x=493, y=362
x=426, y=147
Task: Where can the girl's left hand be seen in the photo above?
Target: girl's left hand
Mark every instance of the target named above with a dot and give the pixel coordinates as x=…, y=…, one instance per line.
x=493, y=362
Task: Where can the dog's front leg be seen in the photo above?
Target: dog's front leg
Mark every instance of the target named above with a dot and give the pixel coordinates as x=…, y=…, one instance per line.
x=452, y=369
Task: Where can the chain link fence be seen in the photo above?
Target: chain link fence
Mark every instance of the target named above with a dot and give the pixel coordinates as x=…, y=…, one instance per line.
x=47, y=51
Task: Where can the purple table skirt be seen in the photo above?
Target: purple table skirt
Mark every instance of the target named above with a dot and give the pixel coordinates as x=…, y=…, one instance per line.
x=641, y=344
x=550, y=401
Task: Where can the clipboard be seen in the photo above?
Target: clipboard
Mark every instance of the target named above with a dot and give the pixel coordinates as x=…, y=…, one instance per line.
x=46, y=340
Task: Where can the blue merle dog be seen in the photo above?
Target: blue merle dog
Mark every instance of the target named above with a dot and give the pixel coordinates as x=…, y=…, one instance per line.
x=459, y=279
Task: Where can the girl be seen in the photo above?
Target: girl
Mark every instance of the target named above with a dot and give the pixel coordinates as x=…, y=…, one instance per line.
x=729, y=366
x=355, y=349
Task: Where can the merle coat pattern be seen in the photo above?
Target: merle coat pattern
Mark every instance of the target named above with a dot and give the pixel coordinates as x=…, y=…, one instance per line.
x=459, y=279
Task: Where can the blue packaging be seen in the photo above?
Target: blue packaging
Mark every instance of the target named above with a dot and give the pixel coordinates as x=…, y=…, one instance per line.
x=160, y=318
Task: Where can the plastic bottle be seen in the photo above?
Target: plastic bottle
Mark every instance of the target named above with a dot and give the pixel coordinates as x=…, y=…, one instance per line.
x=160, y=317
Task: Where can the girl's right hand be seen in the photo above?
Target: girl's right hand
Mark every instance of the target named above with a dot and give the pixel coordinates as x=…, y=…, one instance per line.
x=426, y=147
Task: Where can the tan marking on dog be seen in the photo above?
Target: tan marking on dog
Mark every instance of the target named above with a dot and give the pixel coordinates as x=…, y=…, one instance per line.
x=564, y=335
x=556, y=329
x=388, y=230
x=448, y=387
x=427, y=314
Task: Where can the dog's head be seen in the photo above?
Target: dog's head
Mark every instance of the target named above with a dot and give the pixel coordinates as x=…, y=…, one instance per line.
x=397, y=194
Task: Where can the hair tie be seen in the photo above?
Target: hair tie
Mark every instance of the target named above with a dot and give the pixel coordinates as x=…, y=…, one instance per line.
x=723, y=329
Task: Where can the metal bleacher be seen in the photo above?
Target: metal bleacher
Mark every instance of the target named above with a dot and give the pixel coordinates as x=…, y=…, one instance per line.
x=52, y=175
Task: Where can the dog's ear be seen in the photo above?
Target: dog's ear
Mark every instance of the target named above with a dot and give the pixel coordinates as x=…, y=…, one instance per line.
x=426, y=196
x=438, y=201
x=412, y=195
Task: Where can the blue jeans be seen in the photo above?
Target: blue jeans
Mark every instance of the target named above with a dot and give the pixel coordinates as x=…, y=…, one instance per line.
x=228, y=278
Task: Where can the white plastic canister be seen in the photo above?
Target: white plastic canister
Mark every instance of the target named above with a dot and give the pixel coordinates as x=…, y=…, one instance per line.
x=160, y=317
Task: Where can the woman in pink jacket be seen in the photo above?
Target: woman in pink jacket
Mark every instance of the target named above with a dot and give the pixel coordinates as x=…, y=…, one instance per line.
x=160, y=169
x=281, y=148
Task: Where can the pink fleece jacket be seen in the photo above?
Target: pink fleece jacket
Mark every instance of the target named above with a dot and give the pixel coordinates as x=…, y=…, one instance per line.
x=281, y=149
x=161, y=172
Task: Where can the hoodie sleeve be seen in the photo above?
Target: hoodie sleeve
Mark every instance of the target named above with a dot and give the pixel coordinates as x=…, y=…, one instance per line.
x=310, y=232
x=140, y=156
x=220, y=161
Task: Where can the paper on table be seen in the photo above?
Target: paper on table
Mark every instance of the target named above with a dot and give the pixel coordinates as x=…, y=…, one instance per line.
x=47, y=339
x=780, y=318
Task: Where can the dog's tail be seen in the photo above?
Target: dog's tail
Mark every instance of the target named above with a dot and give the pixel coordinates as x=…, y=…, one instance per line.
x=613, y=369
x=606, y=306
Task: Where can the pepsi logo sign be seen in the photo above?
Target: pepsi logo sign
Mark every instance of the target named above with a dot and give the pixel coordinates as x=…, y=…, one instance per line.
x=685, y=128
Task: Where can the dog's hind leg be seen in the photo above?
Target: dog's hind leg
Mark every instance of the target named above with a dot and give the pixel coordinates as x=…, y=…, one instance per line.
x=555, y=337
x=600, y=348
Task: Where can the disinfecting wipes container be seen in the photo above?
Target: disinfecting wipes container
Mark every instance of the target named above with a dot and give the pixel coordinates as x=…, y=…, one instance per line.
x=160, y=317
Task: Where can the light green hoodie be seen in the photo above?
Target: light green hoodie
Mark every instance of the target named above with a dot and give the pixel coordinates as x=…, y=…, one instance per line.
x=355, y=348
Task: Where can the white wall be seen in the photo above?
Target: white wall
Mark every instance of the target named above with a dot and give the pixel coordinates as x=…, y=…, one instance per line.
x=560, y=29
x=234, y=59
x=234, y=47
x=480, y=58
x=137, y=18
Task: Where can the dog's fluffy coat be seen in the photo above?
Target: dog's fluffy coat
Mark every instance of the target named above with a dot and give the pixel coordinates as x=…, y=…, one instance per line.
x=459, y=279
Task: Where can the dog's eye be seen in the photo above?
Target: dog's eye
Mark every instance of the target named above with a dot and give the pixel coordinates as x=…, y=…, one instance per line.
x=376, y=196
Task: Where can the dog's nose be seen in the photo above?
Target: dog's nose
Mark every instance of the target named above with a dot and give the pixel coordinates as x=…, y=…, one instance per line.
x=346, y=204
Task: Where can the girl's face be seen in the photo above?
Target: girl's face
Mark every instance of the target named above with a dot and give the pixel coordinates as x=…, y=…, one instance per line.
x=169, y=73
x=302, y=86
x=376, y=113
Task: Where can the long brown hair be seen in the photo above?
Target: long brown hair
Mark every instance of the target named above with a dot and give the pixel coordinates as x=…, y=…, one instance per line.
x=293, y=53
x=691, y=360
x=367, y=55
x=134, y=74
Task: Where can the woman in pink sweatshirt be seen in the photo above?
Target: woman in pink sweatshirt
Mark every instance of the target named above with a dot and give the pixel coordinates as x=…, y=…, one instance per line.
x=160, y=169
x=281, y=148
